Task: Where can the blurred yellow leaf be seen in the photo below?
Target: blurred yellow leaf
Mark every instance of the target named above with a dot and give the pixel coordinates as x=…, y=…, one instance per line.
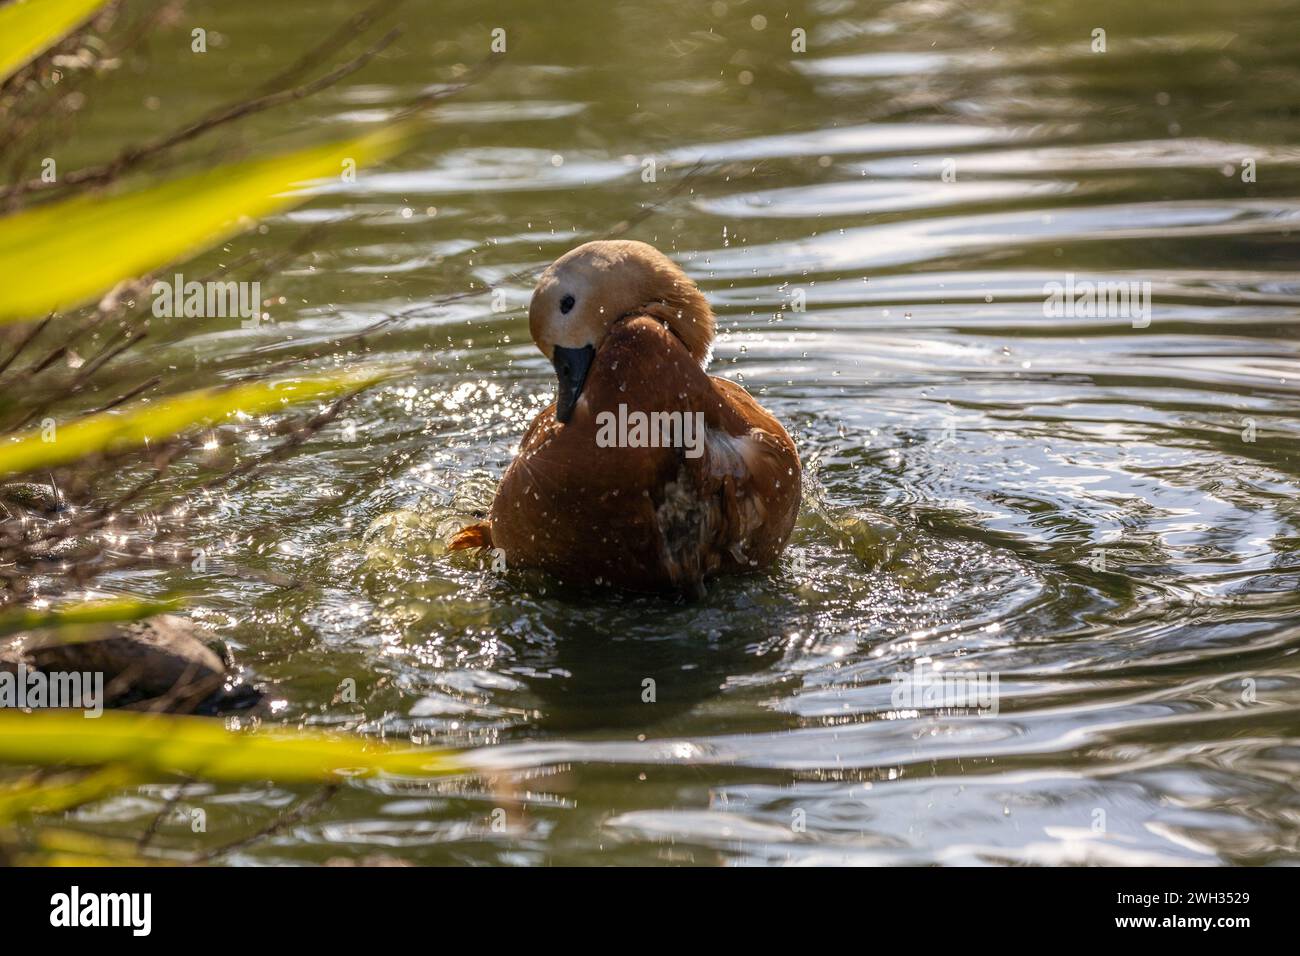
x=62, y=793
x=57, y=847
x=107, y=611
x=30, y=27
x=116, y=431
x=204, y=748
x=62, y=254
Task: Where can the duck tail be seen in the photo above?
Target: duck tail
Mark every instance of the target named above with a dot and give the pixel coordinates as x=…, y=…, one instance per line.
x=472, y=536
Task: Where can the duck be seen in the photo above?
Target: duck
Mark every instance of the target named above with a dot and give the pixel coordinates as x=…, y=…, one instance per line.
x=646, y=473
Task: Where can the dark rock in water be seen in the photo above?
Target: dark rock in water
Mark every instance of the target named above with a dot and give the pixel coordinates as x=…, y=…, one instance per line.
x=152, y=658
x=163, y=663
x=60, y=549
x=228, y=700
x=43, y=517
x=30, y=496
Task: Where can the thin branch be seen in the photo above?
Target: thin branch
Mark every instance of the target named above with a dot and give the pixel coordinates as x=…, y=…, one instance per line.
x=348, y=31
x=135, y=155
x=26, y=340
x=127, y=396
x=301, y=811
x=151, y=831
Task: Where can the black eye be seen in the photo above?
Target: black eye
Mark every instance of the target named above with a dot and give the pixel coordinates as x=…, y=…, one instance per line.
x=566, y=304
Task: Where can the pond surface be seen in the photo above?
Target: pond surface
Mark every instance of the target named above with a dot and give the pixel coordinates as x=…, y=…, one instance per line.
x=1100, y=511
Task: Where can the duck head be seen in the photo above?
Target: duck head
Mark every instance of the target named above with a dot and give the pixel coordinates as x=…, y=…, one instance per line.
x=588, y=289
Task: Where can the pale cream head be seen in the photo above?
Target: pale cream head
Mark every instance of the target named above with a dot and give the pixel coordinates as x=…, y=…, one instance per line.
x=589, y=288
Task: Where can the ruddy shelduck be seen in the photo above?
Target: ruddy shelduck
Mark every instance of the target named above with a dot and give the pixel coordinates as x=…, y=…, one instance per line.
x=646, y=473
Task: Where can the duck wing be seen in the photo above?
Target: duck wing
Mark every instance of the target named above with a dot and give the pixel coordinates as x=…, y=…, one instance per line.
x=731, y=500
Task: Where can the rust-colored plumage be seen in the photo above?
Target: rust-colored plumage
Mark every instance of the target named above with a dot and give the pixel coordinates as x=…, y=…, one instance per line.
x=663, y=508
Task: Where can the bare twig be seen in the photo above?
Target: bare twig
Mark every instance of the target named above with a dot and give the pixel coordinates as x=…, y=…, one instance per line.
x=36, y=329
x=348, y=31
x=299, y=812
x=151, y=831
x=135, y=155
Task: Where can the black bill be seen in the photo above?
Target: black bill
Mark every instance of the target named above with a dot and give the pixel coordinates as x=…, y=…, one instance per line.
x=571, y=367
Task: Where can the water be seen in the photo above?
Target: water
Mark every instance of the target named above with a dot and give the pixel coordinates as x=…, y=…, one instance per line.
x=1103, y=516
